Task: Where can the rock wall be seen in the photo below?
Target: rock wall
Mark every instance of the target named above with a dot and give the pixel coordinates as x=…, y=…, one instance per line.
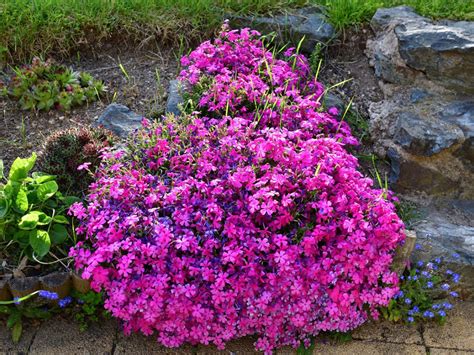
x=425, y=124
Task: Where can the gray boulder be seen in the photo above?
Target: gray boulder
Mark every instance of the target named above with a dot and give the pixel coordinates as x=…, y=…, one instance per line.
x=461, y=113
x=175, y=99
x=445, y=53
x=408, y=45
x=120, y=120
x=309, y=22
x=426, y=136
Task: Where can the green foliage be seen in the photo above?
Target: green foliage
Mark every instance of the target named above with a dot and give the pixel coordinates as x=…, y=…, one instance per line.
x=32, y=210
x=407, y=211
x=66, y=150
x=89, y=308
x=46, y=86
x=424, y=290
x=16, y=313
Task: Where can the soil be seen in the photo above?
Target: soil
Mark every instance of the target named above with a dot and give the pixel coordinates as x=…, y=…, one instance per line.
x=144, y=91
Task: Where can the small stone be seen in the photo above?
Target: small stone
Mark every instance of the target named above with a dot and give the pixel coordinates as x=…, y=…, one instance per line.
x=175, y=99
x=120, y=120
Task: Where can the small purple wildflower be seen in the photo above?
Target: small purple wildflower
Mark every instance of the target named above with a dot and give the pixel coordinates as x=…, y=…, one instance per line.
x=48, y=295
x=428, y=314
x=411, y=319
x=442, y=313
x=65, y=301
x=454, y=294
x=445, y=287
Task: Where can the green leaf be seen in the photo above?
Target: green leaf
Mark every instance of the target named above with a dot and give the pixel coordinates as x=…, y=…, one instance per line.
x=61, y=219
x=40, y=242
x=4, y=206
x=28, y=221
x=16, y=332
x=1, y=169
x=69, y=200
x=40, y=178
x=21, y=201
x=14, y=318
x=58, y=233
x=22, y=237
x=21, y=167
x=43, y=218
x=47, y=190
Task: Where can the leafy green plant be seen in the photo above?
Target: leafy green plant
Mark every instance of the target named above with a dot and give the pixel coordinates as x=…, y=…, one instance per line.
x=16, y=314
x=44, y=85
x=89, y=308
x=424, y=293
x=66, y=150
x=33, y=211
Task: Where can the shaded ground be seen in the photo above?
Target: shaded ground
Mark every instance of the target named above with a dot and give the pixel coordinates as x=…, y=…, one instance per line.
x=61, y=336
x=22, y=132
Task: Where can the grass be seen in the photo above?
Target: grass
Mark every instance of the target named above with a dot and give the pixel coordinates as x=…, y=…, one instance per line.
x=60, y=27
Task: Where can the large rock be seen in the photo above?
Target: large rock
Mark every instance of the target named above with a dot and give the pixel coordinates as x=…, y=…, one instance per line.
x=309, y=22
x=426, y=136
x=120, y=120
x=461, y=113
x=425, y=124
x=408, y=45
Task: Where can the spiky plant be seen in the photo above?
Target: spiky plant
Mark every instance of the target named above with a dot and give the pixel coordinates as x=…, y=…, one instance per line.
x=64, y=151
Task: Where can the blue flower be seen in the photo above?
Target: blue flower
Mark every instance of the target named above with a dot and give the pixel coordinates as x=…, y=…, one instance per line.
x=414, y=278
x=442, y=313
x=420, y=263
x=417, y=246
x=65, y=301
x=407, y=301
x=445, y=287
x=456, y=278
x=425, y=273
x=456, y=255
x=454, y=294
x=48, y=295
x=449, y=272
x=436, y=306
x=17, y=300
x=400, y=294
x=411, y=319
x=428, y=314
x=429, y=284
x=415, y=309
x=437, y=260
x=402, y=277
x=447, y=305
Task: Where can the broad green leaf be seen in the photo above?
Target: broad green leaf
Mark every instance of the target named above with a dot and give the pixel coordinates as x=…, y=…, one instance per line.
x=43, y=218
x=16, y=332
x=40, y=178
x=28, y=221
x=46, y=190
x=14, y=318
x=40, y=242
x=69, y=200
x=21, y=201
x=21, y=167
x=22, y=237
x=60, y=219
x=58, y=233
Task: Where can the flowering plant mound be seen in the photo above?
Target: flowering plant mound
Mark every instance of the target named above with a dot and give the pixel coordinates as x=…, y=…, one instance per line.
x=218, y=225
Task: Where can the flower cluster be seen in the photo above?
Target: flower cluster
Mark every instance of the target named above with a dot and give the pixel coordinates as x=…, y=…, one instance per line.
x=423, y=293
x=246, y=216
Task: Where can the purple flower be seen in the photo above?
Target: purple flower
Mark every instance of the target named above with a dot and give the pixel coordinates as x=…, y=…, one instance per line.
x=455, y=255
x=447, y=305
x=428, y=314
x=445, y=287
x=437, y=260
x=442, y=313
x=417, y=246
x=411, y=319
x=48, y=295
x=65, y=301
x=429, y=284
x=407, y=301
x=420, y=263
x=454, y=294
